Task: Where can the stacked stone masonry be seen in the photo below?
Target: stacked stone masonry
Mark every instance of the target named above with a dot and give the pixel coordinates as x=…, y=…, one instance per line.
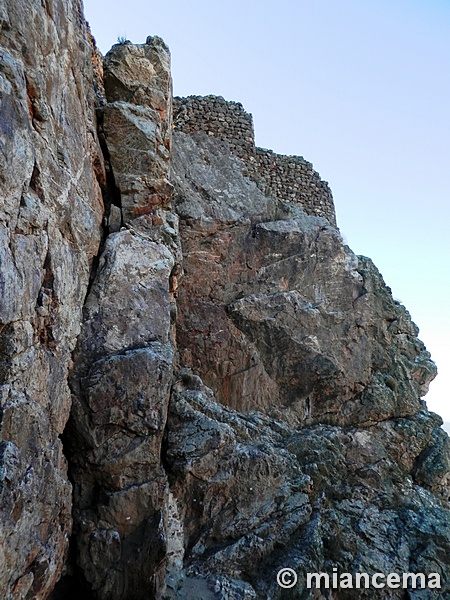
x=215, y=116
x=286, y=177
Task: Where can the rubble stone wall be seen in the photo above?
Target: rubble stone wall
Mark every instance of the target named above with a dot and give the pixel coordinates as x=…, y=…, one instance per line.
x=287, y=177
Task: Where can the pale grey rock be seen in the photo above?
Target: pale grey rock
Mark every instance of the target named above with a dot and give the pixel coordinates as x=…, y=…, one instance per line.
x=123, y=364
x=51, y=211
x=140, y=74
x=16, y=132
x=137, y=124
x=128, y=304
x=114, y=219
x=209, y=188
x=297, y=324
x=255, y=495
x=121, y=384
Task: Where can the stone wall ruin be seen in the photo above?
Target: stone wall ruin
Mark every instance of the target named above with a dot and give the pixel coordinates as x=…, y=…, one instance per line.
x=287, y=177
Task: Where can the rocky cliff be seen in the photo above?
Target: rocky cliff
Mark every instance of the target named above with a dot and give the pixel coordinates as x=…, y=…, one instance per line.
x=51, y=209
x=200, y=382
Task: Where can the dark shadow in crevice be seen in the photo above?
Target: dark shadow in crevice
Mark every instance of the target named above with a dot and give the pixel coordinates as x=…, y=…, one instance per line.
x=72, y=585
x=111, y=197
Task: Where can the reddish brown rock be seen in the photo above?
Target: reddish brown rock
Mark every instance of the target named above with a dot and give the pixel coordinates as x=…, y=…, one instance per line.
x=276, y=313
x=137, y=124
x=50, y=215
x=123, y=364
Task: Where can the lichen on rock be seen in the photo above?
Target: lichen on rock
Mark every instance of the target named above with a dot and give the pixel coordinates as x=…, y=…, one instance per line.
x=200, y=383
x=50, y=226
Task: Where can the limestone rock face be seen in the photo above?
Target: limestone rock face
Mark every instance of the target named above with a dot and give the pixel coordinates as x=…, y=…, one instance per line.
x=244, y=392
x=137, y=123
x=276, y=313
x=256, y=495
x=123, y=364
x=50, y=215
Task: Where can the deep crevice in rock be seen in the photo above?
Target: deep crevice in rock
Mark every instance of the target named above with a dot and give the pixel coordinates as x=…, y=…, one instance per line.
x=72, y=585
x=111, y=194
x=255, y=488
x=35, y=182
x=113, y=218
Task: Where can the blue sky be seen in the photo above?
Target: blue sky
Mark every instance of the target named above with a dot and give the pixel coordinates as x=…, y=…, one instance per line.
x=359, y=88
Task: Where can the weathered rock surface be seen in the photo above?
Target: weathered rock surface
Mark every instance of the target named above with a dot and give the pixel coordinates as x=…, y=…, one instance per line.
x=123, y=364
x=246, y=394
x=50, y=215
x=137, y=123
x=121, y=382
x=256, y=495
x=276, y=313
x=346, y=468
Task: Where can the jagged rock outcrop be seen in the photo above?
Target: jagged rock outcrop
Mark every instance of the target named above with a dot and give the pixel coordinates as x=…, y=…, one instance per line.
x=50, y=216
x=246, y=394
x=257, y=495
x=123, y=363
x=276, y=313
x=281, y=319
x=137, y=122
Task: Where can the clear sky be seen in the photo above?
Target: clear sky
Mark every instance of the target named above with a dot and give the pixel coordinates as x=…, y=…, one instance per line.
x=360, y=88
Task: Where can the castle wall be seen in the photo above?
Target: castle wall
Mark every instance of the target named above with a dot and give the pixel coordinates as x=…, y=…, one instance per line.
x=287, y=177
x=294, y=178
x=215, y=116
